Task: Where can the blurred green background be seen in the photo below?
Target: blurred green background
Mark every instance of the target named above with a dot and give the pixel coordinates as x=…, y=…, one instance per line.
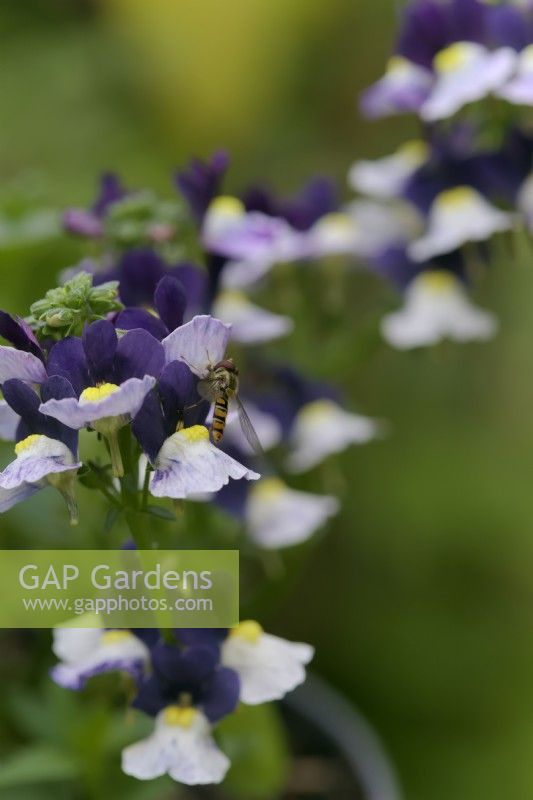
x=420, y=598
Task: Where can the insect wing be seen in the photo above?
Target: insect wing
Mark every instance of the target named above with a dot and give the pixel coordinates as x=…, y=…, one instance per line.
x=248, y=429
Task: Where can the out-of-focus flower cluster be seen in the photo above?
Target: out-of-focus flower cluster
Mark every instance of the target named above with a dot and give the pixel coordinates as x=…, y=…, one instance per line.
x=465, y=68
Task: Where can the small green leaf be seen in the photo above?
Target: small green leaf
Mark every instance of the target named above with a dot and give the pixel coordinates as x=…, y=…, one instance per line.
x=161, y=513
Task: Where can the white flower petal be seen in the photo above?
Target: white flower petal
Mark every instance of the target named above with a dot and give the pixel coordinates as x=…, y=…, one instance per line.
x=466, y=72
x=458, y=216
x=519, y=90
x=200, y=344
x=333, y=234
x=277, y=516
x=242, y=274
x=37, y=457
x=436, y=308
x=382, y=225
x=386, y=178
x=9, y=422
x=10, y=497
x=322, y=428
x=189, y=464
x=404, y=87
x=268, y=667
x=188, y=754
x=250, y=324
x=19, y=364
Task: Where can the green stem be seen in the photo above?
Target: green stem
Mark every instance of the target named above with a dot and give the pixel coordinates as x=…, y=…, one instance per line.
x=115, y=454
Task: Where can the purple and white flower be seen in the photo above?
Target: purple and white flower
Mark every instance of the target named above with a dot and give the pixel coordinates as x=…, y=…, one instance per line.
x=519, y=90
x=386, y=178
x=85, y=652
x=277, y=516
x=323, y=427
x=436, y=307
x=268, y=667
x=458, y=216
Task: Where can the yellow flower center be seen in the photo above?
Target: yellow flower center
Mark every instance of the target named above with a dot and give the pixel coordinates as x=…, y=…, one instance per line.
x=234, y=297
x=316, y=409
x=438, y=280
x=180, y=716
x=527, y=57
x=268, y=488
x=461, y=195
x=398, y=64
x=196, y=433
x=452, y=57
x=93, y=394
x=228, y=206
x=415, y=151
x=249, y=630
x=116, y=637
x=28, y=442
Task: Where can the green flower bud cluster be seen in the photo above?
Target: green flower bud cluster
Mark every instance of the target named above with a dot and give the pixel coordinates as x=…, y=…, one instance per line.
x=142, y=218
x=65, y=310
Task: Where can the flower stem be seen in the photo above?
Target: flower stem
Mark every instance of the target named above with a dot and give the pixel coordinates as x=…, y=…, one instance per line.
x=115, y=454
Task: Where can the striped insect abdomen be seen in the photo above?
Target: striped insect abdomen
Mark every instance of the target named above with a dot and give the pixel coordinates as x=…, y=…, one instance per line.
x=220, y=413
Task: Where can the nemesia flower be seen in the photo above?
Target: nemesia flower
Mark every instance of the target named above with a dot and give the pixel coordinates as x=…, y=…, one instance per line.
x=387, y=177
x=89, y=222
x=404, y=87
x=268, y=666
x=466, y=72
x=381, y=226
x=323, y=427
x=277, y=516
x=46, y=451
x=315, y=200
x=519, y=89
x=189, y=464
x=252, y=242
x=187, y=692
x=333, y=234
x=436, y=308
x=458, y=216
x=85, y=652
x=250, y=324
x=108, y=379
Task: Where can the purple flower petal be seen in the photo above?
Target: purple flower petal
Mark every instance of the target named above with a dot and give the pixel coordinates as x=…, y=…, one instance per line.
x=200, y=343
x=67, y=358
x=100, y=344
x=139, y=272
x=18, y=333
x=149, y=426
x=82, y=223
x=25, y=402
x=132, y=318
x=177, y=389
x=170, y=301
x=222, y=696
x=20, y=364
x=194, y=281
x=138, y=354
x=111, y=190
x=126, y=401
x=201, y=181
x=69, y=676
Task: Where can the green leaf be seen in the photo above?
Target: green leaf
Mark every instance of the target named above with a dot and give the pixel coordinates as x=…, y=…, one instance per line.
x=254, y=739
x=37, y=764
x=162, y=513
x=111, y=518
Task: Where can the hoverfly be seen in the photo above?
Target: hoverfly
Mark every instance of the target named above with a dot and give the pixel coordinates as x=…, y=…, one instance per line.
x=219, y=387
